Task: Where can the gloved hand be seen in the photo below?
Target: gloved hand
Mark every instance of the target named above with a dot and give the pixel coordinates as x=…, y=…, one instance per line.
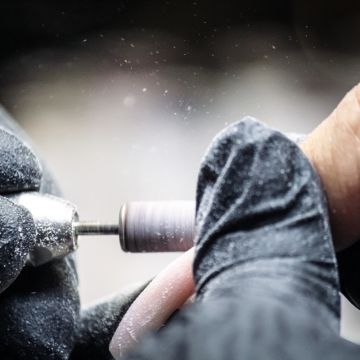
x=265, y=268
x=19, y=171
x=39, y=307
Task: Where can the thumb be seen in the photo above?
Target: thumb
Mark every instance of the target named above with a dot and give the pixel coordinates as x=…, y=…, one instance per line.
x=17, y=236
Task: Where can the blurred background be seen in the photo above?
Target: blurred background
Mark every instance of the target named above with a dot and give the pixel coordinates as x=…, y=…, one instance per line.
x=123, y=97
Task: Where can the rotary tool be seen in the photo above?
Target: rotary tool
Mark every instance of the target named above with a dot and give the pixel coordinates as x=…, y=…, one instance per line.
x=154, y=226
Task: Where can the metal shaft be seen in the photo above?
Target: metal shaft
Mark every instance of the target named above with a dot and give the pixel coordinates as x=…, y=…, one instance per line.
x=151, y=226
x=95, y=228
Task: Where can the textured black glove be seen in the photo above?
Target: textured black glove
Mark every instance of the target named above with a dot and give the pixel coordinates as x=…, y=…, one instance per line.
x=39, y=307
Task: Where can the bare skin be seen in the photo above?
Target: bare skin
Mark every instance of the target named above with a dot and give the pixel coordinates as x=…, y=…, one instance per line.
x=333, y=148
x=169, y=291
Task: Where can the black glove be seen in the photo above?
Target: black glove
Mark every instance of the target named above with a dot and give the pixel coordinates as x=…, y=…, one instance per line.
x=39, y=307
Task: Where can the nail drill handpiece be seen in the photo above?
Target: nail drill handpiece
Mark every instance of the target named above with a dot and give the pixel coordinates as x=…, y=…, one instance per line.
x=162, y=226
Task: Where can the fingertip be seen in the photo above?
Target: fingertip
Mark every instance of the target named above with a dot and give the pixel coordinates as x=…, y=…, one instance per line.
x=113, y=348
x=17, y=238
x=20, y=168
x=165, y=294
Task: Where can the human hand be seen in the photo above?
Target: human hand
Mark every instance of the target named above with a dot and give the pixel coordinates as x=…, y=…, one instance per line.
x=334, y=150
x=39, y=307
x=19, y=171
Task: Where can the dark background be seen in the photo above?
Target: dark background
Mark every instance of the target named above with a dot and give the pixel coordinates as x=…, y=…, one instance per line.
x=316, y=25
x=27, y=24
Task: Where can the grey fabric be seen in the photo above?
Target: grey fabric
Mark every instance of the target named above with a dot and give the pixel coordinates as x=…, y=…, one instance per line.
x=265, y=268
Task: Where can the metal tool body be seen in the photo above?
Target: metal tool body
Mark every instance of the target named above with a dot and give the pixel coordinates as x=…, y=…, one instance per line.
x=53, y=217
x=143, y=226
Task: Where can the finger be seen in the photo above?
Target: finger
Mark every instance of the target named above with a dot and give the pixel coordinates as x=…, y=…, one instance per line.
x=39, y=312
x=17, y=236
x=20, y=169
x=48, y=183
x=99, y=321
x=160, y=299
x=334, y=150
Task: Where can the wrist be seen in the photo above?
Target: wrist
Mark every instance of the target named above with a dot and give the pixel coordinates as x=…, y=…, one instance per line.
x=333, y=148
